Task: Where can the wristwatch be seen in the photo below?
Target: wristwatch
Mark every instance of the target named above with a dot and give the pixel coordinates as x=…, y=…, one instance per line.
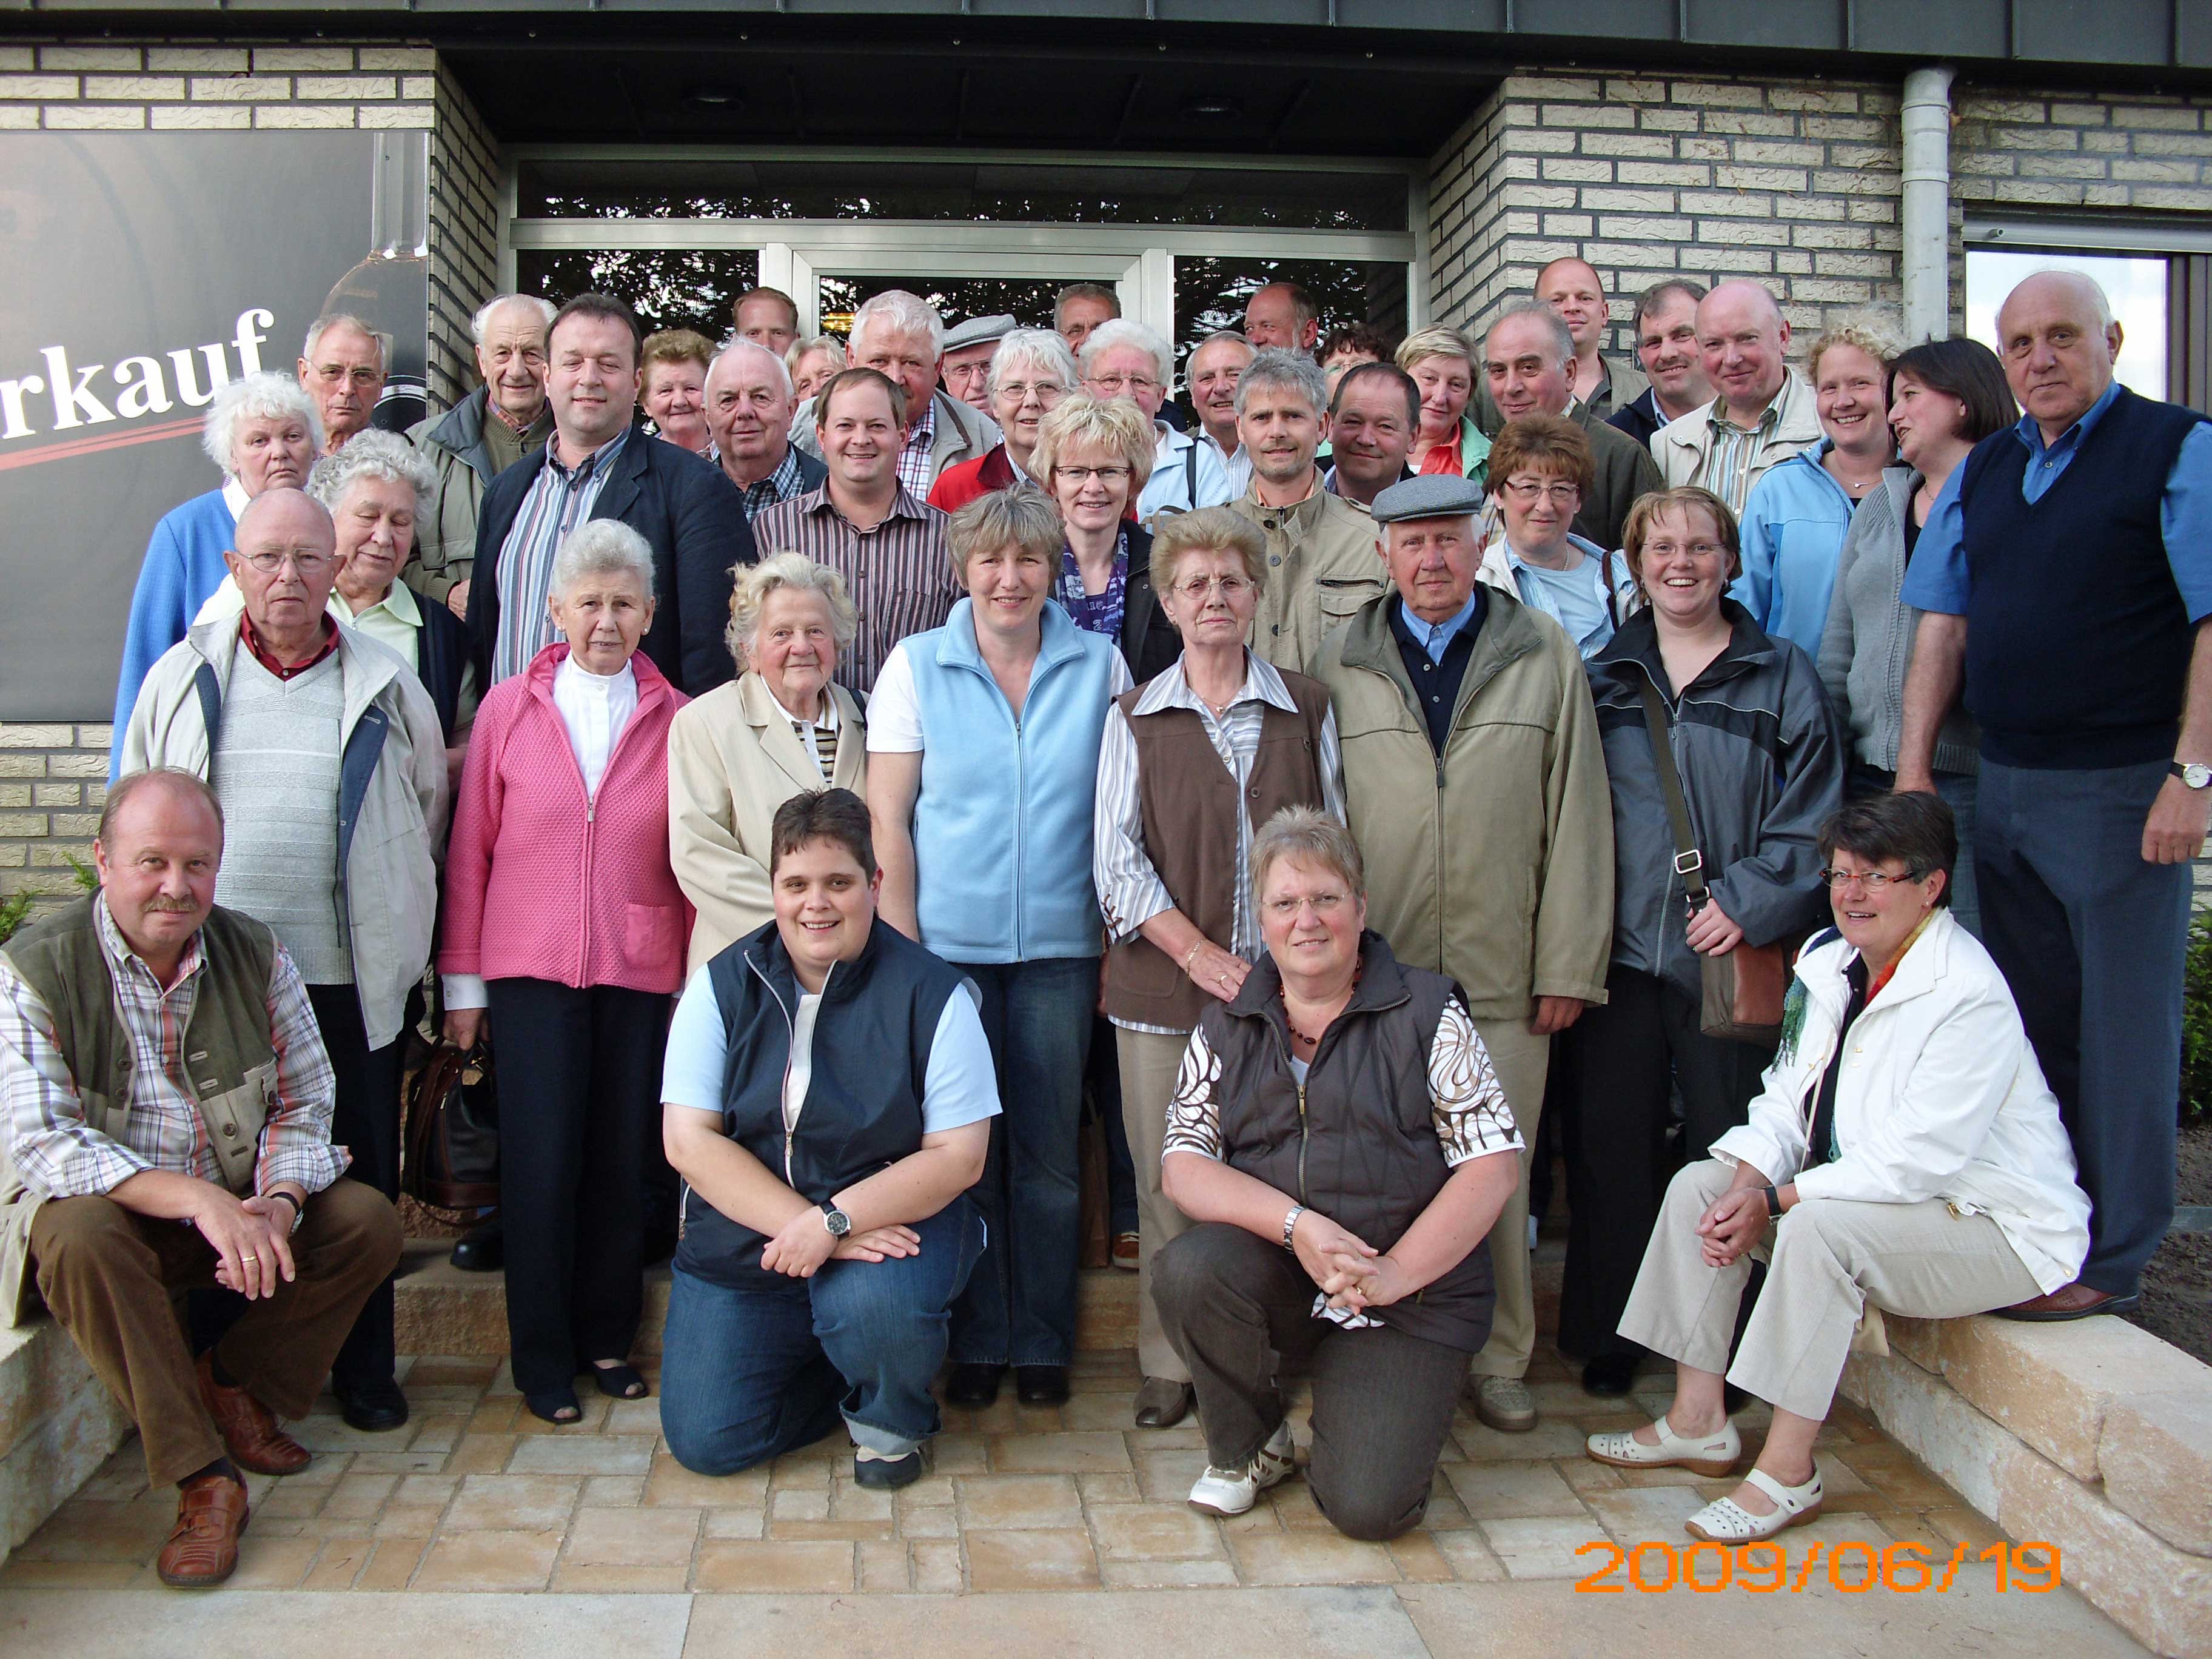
x=2195, y=774
x=1773, y=1202
x=835, y=1219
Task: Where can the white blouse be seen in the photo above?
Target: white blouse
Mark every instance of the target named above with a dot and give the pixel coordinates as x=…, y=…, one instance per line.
x=594, y=707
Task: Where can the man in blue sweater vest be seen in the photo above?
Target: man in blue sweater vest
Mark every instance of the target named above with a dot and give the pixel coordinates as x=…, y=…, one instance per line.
x=2066, y=575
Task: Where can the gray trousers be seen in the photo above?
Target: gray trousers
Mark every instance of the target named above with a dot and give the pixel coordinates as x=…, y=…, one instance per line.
x=1149, y=1063
x=1827, y=1259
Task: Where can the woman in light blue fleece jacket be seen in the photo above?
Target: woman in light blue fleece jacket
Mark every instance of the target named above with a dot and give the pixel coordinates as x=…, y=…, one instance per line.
x=1797, y=515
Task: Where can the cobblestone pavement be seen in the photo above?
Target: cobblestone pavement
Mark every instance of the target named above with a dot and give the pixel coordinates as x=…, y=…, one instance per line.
x=487, y=1529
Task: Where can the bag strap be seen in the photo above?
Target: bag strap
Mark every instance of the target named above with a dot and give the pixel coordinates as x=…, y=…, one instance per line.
x=1190, y=475
x=1689, y=862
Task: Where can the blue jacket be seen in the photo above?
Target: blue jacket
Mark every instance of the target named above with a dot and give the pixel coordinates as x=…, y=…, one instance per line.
x=1794, y=526
x=183, y=565
x=1002, y=824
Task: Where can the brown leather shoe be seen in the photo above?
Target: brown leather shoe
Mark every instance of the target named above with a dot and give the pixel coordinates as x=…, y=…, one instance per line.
x=249, y=1428
x=2074, y=1301
x=202, y=1548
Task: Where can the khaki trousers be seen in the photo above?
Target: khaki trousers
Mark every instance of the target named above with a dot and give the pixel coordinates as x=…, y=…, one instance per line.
x=1521, y=1061
x=107, y=1274
x=1826, y=1259
x=1149, y=1064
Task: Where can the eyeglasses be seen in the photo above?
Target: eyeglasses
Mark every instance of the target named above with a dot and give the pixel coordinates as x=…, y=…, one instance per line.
x=1048, y=392
x=1113, y=385
x=307, y=564
x=1287, y=909
x=1527, y=491
x=1105, y=475
x=1233, y=588
x=1872, y=880
x=333, y=373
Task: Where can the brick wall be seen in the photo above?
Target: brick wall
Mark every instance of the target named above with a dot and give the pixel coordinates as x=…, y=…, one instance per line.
x=79, y=85
x=464, y=185
x=53, y=779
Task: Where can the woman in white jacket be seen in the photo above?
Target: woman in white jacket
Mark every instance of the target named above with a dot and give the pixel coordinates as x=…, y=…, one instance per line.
x=1904, y=1151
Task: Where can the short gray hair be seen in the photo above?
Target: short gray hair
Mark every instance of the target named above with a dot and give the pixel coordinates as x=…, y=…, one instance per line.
x=1649, y=302
x=1271, y=365
x=372, y=454
x=902, y=312
x=792, y=573
x=267, y=396
x=800, y=350
x=1225, y=337
x=1563, y=339
x=330, y=319
x=601, y=547
x=1021, y=517
x=1036, y=348
x=1311, y=837
x=1125, y=331
x=480, y=324
x=737, y=347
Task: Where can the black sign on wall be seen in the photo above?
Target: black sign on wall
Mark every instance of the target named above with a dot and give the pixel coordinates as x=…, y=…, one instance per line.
x=142, y=271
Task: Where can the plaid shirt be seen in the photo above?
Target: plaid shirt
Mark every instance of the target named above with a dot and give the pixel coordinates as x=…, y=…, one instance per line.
x=914, y=471
x=780, y=485
x=52, y=1147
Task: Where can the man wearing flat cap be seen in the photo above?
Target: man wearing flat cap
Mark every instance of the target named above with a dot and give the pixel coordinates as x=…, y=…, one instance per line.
x=1474, y=785
x=965, y=368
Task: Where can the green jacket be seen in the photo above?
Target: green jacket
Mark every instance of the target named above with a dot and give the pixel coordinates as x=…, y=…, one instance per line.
x=1323, y=564
x=1493, y=862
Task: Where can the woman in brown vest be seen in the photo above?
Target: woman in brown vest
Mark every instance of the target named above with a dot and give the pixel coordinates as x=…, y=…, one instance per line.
x=1194, y=761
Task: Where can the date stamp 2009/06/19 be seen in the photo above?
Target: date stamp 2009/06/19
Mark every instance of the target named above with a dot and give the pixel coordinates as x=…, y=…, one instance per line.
x=1852, y=1568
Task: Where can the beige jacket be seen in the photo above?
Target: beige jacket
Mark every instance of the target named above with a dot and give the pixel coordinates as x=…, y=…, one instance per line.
x=732, y=759
x=392, y=822
x=1680, y=446
x=1495, y=864
x=1323, y=563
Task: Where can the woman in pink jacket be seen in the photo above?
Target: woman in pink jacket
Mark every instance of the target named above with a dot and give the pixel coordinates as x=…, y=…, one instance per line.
x=564, y=938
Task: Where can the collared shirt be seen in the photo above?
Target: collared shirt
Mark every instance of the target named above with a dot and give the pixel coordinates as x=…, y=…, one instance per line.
x=395, y=621
x=1576, y=599
x=1936, y=579
x=1130, y=890
x=560, y=497
x=780, y=485
x=817, y=737
x=1238, y=466
x=1731, y=451
x=594, y=707
x=1436, y=638
x=1187, y=473
x=261, y=652
x=55, y=1150
x=899, y=573
x=914, y=471
x=236, y=498
x=1329, y=482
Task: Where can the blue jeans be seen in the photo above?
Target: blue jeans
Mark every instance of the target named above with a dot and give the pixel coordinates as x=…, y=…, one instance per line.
x=748, y=1374
x=1019, y=1308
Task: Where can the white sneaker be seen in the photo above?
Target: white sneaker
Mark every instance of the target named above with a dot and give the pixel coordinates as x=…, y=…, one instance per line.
x=1232, y=1492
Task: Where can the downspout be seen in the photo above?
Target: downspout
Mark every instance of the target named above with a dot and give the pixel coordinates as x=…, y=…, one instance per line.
x=1927, y=208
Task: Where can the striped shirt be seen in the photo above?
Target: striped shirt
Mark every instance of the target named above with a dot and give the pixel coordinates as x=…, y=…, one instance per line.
x=1732, y=452
x=899, y=573
x=1130, y=890
x=56, y=1151
x=560, y=498
x=916, y=472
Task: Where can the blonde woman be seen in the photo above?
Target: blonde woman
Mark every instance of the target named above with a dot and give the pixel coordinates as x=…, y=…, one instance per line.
x=781, y=728
x=1093, y=456
x=1442, y=363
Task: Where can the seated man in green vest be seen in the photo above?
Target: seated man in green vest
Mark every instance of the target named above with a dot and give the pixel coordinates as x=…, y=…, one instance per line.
x=165, y=1100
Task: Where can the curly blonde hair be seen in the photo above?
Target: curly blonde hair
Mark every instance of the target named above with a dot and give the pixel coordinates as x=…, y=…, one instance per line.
x=798, y=574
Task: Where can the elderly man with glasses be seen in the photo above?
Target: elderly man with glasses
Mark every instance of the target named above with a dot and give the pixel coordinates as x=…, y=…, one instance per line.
x=1123, y=359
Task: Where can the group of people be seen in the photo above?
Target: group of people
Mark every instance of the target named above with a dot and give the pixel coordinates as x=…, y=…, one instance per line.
x=810, y=798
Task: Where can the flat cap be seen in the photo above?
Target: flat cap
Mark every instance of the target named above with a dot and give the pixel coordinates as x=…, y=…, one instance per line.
x=1436, y=495
x=979, y=331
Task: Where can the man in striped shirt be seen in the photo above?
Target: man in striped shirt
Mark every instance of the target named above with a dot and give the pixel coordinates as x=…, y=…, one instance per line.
x=865, y=524
x=1763, y=414
x=166, y=1102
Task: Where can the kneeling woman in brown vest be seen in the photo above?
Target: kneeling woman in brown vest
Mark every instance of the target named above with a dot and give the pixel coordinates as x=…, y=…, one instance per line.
x=1342, y=1148
x=1192, y=762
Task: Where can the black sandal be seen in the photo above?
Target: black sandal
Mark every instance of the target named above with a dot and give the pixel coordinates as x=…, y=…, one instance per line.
x=548, y=1407
x=619, y=1382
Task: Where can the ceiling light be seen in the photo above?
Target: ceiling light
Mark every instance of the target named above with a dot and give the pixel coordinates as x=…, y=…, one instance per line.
x=1211, y=107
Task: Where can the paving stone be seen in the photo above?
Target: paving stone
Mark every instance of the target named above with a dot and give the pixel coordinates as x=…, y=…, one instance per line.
x=670, y=1483
x=1470, y=1557
x=1311, y=1558
x=576, y=1578
x=937, y=1565
x=612, y=1491
x=994, y=1501
x=1107, y=1488
x=1540, y=1548
x=506, y=1501
x=1166, y=1575
x=1058, y=1454
x=774, y=1566
x=739, y=1521
x=1502, y=1490
x=501, y=1560
x=1031, y=1560
x=1154, y=1532
x=633, y=1537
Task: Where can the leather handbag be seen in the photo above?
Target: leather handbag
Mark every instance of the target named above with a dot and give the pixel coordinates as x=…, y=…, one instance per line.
x=1744, y=988
x=453, y=1131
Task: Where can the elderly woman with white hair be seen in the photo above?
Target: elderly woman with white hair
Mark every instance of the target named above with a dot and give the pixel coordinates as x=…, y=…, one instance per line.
x=783, y=727
x=812, y=362
x=1032, y=370
x=563, y=930
x=263, y=433
x=1125, y=359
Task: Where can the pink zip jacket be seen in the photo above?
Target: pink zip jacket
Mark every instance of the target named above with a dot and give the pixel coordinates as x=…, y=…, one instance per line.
x=541, y=881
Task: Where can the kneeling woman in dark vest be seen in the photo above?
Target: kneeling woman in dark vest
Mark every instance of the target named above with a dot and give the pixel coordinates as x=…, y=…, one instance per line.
x=828, y=1094
x=1341, y=1144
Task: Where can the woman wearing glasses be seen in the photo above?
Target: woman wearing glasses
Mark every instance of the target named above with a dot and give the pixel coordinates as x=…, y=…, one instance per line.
x=1749, y=733
x=1094, y=457
x=1194, y=761
x=1541, y=468
x=1904, y=1153
x=1126, y=361
x=1032, y=370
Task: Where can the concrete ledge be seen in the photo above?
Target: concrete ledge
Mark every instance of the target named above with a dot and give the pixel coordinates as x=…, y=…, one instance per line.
x=2093, y=1436
x=57, y=1425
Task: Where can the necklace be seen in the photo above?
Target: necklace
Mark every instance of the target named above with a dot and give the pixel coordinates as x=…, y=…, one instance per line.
x=1299, y=1038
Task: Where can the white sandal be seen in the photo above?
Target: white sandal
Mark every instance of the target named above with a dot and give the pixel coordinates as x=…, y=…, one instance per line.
x=1724, y=1521
x=1712, y=1455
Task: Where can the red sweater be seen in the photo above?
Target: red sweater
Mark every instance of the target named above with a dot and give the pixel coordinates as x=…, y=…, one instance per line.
x=541, y=881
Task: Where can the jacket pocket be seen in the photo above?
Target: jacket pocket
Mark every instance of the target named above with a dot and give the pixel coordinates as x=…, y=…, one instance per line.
x=650, y=934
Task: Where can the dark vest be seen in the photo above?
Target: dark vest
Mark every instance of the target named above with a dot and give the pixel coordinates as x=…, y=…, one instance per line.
x=863, y=1111
x=229, y=1054
x=2077, y=640
x=443, y=647
x=1359, y=1142
x=1190, y=805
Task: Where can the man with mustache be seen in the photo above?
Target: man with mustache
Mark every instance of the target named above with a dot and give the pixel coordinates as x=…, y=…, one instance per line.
x=1665, y=326
x=503, y=420
x=169, y=1129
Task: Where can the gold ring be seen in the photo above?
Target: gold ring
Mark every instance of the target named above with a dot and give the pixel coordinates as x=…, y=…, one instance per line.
x=250, y=1258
